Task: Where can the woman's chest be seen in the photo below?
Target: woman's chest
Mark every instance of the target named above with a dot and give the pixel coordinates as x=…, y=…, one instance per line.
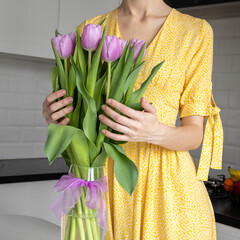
x=145, y=31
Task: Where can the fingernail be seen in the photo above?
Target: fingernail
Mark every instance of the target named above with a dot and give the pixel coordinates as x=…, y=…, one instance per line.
x=69, y=108
x=103, y=107
x=109, y=101
x=69, y=99
x=63, y=91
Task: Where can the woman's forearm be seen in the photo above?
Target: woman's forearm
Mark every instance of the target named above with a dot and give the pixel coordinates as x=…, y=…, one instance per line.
x=188, y=137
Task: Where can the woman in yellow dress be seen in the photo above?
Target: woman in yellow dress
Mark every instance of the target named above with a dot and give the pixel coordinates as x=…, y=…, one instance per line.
x=170, y=201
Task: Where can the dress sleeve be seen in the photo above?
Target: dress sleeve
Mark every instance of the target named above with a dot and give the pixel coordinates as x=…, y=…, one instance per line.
x=197, y=99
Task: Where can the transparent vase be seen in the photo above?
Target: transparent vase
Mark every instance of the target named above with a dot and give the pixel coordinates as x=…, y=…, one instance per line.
x=81, y=222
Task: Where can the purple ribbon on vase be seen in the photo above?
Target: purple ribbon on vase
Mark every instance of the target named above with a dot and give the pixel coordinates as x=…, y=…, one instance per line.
x=71, y=187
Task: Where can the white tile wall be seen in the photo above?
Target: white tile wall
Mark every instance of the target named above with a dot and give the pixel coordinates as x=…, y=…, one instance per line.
x=24, y=85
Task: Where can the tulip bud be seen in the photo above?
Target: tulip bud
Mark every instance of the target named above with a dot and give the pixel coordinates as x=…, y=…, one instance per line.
x=111, y=49
x=91, y=37
x=138, y=46
x=65, y=45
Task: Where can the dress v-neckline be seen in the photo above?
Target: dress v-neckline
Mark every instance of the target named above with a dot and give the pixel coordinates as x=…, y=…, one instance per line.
x=164, y=25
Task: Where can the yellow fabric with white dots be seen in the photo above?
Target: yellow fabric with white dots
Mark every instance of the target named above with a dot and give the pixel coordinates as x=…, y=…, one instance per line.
x=170, y=201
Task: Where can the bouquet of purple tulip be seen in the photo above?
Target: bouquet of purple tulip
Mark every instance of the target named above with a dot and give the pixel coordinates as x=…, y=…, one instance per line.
x=92, y=68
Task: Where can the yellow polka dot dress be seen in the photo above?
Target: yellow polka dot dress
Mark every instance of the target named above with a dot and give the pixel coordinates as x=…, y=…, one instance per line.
x=170, y=201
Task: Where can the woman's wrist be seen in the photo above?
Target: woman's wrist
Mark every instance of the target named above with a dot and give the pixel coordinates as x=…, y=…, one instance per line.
x=183, y=138
x=160, y=134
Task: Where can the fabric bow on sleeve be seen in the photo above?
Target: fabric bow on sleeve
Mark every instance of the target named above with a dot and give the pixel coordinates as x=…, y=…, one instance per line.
x=212, y=144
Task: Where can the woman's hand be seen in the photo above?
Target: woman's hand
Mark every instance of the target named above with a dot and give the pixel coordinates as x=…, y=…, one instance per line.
x=51, y=112
x=138, y=126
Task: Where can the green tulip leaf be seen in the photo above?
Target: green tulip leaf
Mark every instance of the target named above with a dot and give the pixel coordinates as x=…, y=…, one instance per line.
x=140, y=55
x=92, y=75
x=67, y=159
x=59, y=137
x=54, y=78
x=100, y=159
x=103, y=70
x=100, y=87
x=125, y=170
x=80, y=149
x=136, y=106
x=90, y=118
x=72, y=81
x=99, y=90
x=139, y=92
x=93, y=152
x=101, y=136
x=57, y=33
x=101, y=22
x=60, y=68
x=80, y=54
x=117, y=142
x=76, y=112
x=117, y=91
x=130, y=82
x=119, y=68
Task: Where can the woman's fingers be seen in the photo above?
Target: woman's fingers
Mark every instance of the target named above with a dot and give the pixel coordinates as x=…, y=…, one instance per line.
x=119, y=118
x=61, y=113
x=114, y=125
x=53, y=96
x=134, y=114
x=51, y=112
x=64, y=121
x=60, y=104
x=116, y=137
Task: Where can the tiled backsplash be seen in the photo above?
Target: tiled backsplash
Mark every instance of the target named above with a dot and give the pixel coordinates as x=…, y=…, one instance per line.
x=24, y=84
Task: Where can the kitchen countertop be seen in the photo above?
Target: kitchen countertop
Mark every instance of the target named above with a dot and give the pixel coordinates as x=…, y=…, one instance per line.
x=226, y=212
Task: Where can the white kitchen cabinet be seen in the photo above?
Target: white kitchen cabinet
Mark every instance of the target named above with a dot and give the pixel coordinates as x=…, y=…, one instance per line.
x=225, y=232
x=27, y=26
x=74, y=12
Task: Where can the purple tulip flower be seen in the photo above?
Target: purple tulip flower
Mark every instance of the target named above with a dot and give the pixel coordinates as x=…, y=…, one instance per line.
x=91, y=37
x=111, y=49
x=65, y=45
x=138, y=46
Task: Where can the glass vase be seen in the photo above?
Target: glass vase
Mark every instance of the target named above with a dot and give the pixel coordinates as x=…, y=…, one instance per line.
x=81, y=221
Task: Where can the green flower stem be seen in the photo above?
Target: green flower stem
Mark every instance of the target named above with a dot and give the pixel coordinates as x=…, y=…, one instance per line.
x=80, y=212
x=70, y=222
x=92, y=222
x=130, y=89
x=73, y=229
x=107, y=86
x=89, y=59
x=66, y=73
x=80, y=221
x=68, y=229
x=66, y=60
